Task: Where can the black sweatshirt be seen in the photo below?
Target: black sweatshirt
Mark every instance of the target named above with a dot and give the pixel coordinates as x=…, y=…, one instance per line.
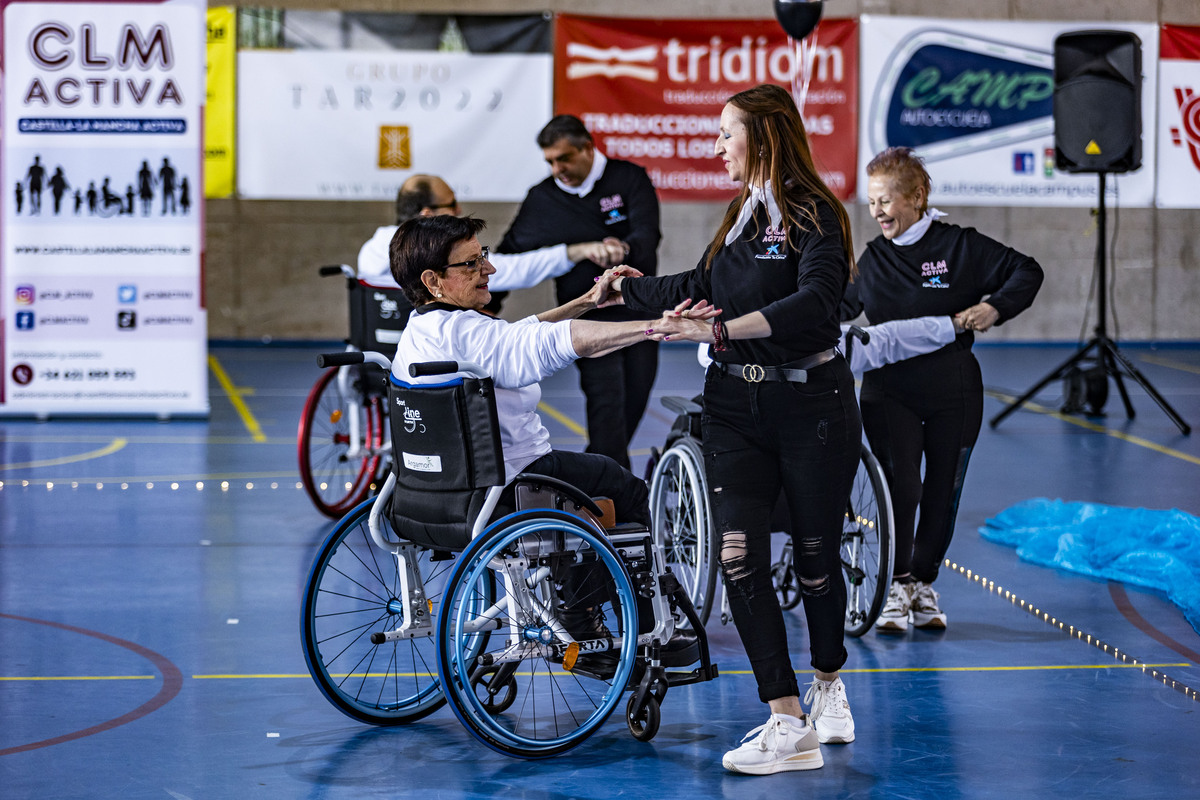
x=947, y=270
x=797, y=285
x=622, y=204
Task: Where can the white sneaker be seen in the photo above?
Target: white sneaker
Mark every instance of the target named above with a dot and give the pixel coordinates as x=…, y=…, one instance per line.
x=829, y=711
x=778, y=746
x=925, y=610
x=894, y=617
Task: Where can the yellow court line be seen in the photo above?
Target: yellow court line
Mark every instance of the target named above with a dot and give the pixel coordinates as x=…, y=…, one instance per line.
x=298, y=675
x=235, y=397
x=571, y=424
x=1170, y=363
x=112, y=447
x=1092, y=426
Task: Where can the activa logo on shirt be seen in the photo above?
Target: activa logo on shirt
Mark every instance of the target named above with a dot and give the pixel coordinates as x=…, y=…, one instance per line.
x=774, y=240
x=611, y=206
x=933, y=271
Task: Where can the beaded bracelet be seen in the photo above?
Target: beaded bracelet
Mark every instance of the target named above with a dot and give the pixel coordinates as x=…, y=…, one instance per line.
x=720, y=336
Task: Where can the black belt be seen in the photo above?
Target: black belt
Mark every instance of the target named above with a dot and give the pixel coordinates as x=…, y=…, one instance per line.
x=797, y=372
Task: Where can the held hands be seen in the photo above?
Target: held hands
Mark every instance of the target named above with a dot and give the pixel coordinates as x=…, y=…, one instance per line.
x=605, y=293
x=607, y=253
x=685, y=322
x=979, y=317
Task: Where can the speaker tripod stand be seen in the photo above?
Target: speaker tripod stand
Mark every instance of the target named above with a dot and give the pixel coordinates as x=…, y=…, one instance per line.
x=1109, y=359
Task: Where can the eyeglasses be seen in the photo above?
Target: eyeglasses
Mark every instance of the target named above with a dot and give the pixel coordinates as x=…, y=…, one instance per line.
x=473, y=264
x=440, y=206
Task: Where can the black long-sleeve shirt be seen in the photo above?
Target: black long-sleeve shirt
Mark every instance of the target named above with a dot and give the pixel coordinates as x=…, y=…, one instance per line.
x=622, y=204
x=797, y=286
x=947, y=270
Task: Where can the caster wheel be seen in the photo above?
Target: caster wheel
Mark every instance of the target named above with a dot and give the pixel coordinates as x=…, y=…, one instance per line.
x=643, y=724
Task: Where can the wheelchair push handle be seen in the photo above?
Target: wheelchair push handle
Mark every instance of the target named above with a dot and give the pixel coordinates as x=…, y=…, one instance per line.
x=425, y=368
x=336, y=269
x=859, y=334
x=349, y=357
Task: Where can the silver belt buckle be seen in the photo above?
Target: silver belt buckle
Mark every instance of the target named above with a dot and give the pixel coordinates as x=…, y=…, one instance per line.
x=753, y=373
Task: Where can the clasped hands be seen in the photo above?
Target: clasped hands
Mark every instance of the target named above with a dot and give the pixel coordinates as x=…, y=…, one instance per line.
x=979, y=317
x=685, y=322
x=609, y=252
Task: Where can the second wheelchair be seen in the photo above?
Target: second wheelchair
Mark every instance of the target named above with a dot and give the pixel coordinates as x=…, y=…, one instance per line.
x=683, y=527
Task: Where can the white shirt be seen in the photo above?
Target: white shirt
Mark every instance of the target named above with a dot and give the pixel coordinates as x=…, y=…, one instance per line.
x=889, y=342
x=513, y=271
x=516, y=354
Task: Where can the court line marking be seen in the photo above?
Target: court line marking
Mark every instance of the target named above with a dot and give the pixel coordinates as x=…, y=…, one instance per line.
x=875, y=670
x=172, y=682
x=235, y=398
x=112, y=447
x=559, y=416
x=1092, y=426
x=1170, y=363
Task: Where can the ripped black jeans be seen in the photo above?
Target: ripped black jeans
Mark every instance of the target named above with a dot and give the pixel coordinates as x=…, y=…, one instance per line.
x=803, y=438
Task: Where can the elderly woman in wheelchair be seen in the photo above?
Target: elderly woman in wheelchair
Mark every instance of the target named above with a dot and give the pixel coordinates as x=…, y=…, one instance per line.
x=538, y=609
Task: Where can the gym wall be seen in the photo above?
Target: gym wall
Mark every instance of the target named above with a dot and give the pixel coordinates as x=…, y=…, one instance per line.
x=262, y=256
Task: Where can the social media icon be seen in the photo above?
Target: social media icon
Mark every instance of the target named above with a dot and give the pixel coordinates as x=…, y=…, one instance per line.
x=25, y=295
x=24, y=320
x=127, y=293
x=126, y=320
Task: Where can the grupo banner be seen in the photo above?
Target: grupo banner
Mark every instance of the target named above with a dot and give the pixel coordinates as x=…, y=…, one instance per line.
x=975, y=99
x=1179, y=117
x=100, y=266
x=367, y=120
x=652, y=90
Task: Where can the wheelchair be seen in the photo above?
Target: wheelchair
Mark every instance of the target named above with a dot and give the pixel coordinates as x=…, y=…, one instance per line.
x=520, y=606
x=683, y=527
x=342, y=441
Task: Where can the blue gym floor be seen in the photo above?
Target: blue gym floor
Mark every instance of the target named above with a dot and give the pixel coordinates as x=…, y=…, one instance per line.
x=150, y=580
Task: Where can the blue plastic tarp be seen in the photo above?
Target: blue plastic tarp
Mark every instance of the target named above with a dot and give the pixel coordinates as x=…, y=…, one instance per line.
x=1158, y=550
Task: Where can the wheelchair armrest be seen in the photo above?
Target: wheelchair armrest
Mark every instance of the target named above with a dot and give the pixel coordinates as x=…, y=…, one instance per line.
x=681, y=405
x=579, y=497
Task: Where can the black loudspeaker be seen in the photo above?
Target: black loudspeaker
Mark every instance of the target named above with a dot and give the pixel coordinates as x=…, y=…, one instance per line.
x=1098, y=101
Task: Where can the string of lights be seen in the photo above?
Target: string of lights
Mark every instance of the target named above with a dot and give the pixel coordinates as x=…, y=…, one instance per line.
x=1073, y=631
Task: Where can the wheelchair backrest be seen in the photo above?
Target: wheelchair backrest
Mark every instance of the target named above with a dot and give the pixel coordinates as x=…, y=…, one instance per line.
x=446, y=455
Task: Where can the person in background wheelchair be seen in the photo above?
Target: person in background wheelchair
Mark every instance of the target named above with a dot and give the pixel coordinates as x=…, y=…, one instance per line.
x=431, y=196
x=442, y=269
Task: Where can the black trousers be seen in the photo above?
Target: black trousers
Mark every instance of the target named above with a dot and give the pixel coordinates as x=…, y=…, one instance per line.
x=617, y=387
x=599, y=476
x=928, y=408
x=803, y=438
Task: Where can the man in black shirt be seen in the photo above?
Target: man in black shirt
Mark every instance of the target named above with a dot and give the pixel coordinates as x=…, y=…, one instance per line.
x=589, y=197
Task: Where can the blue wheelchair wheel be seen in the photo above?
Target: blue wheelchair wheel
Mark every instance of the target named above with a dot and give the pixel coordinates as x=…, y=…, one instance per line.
x=530, y=694
x=354, y=591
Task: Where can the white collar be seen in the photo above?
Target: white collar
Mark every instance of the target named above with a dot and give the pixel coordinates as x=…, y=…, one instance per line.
x=758, y=194
x=914, y=234
x=598, y=163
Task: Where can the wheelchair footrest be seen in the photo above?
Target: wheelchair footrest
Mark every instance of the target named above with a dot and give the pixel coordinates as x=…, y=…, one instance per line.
x=698, y=675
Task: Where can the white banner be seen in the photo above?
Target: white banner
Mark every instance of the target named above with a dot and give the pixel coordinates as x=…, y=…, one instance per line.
x=1179, y=118
x=352, y=125
x=102, y=209
x=974, y=98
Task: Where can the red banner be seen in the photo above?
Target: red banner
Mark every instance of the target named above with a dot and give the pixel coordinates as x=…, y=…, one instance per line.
x=651, y=91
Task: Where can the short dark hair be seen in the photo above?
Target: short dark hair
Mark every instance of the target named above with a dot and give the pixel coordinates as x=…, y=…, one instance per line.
x=423, y=243
x=410, y=201
x=564, y=126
